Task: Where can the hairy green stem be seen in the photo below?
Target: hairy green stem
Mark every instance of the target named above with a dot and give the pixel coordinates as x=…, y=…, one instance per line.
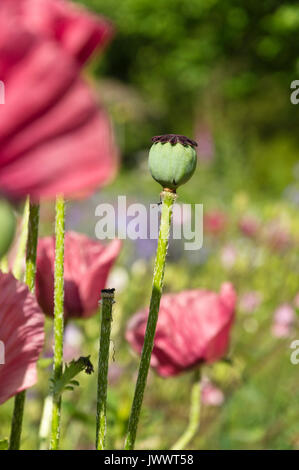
x=194, y=416
x=17, y=266
x=33, y=220
x=168, y=199
x=58, y=318
x=107, y=300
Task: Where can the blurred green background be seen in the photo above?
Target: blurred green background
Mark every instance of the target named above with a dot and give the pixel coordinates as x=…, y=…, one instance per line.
x=219, y=72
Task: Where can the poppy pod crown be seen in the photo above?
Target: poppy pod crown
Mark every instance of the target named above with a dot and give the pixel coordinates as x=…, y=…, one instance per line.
x=172, y=160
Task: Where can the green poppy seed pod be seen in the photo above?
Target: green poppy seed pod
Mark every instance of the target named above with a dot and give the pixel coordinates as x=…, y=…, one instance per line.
x=7, y=226
x=172, y=160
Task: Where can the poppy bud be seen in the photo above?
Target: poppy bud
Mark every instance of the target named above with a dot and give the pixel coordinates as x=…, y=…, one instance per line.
x=8, y=226
x=172, y=160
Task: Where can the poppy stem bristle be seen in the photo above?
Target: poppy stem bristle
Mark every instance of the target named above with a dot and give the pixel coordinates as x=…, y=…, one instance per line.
x=194, y=416
x=168, y=199
x=31, y=214
x=107, y=300
x=58, y=317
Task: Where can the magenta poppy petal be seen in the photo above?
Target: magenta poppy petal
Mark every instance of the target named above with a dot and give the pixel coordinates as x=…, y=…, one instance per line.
x=86, y=268
x=193, y=327
x=22, y=333
x=54, y=137
x=78, y=31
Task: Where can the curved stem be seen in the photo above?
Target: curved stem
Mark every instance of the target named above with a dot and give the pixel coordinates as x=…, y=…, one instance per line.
x=58, y=317
x=106, y=314
x=17, y=419
x=194, y=417
x=168, y=199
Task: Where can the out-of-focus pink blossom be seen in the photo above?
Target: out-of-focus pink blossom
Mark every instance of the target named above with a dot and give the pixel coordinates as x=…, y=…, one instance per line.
x=283, y=321
x=210, y=394
x=87, y=264
x=193, y=327
x=206, y=143
x=296, y=301
x=281, y=331
x=21, y=335
x=54, y=138
x=215, y=222
x=249, y=226
x=228, y=256
x=250, y=301
x=284, y=314
x=277, y=237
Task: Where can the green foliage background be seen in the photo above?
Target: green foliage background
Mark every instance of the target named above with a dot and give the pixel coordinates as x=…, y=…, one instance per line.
x=229, y=64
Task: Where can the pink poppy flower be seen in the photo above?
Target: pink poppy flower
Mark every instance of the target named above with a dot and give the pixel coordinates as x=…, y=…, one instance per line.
x=210, y=394
x=86, y=267
x=77, y=30
x=250, y=301
x=215, y=222
x=228, y=256
x=54, y=138
x=284, y=319
x=277, y=236
x=21, y=336
x=193, y=327
x=249, y=226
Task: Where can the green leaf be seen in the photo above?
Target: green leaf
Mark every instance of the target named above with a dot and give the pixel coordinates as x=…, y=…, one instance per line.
x=71, y=370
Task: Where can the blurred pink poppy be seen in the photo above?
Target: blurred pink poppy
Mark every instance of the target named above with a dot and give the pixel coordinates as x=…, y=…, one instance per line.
x=210, y=394
x=277, y=236
x=249, y=226
x=21, y=336
x=206, y=149
x=54, y=138
x=228, y=256
x=215, y=222
x=193, y=327
x=284, y=319
x=86, y=267
x=250, y=301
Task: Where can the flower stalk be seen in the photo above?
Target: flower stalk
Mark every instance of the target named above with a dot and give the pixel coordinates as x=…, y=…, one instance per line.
x=58, y=318
x=33, y=221
x=107, y=300
x=167, y=197
x=194, y=416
